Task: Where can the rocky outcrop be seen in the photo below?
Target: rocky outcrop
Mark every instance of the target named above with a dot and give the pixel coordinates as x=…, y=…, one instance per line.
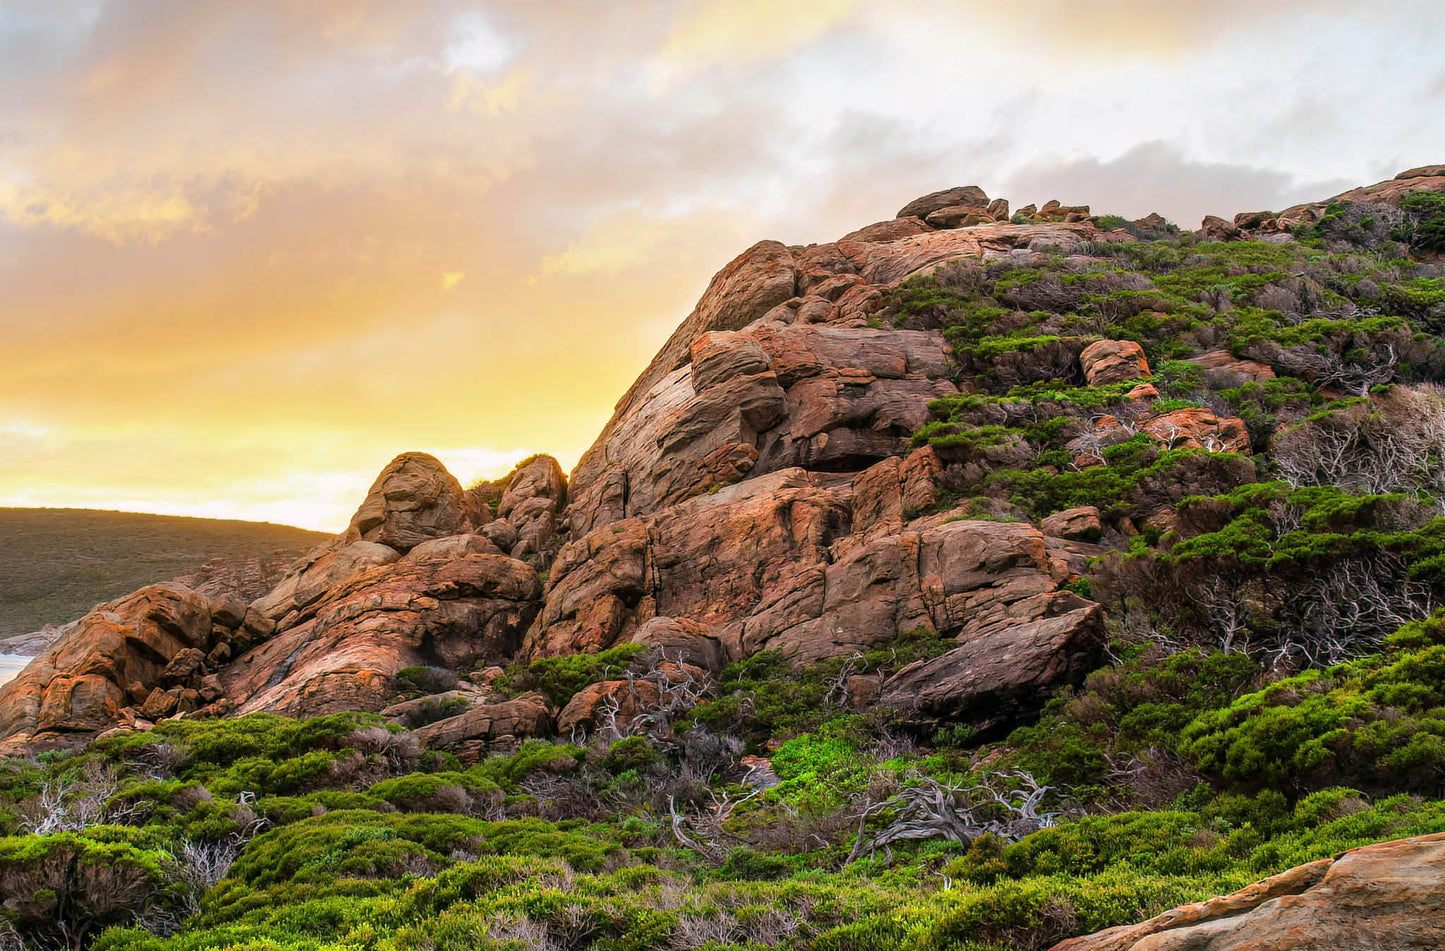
x=113, y=659
x=776, y=367
x=1198, y=428
x=453, y=602
x=529, y=509
x=1081, y=524
x=1232, y=370
x=415, y=498
x=488, y=726
x=1113, y=361
x=1386, y=897
x=1004, y=665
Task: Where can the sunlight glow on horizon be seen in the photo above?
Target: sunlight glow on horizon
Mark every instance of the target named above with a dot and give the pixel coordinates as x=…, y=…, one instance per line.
x=249, y=253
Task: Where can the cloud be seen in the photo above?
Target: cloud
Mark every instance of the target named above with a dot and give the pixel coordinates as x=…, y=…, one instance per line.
x=249, y=252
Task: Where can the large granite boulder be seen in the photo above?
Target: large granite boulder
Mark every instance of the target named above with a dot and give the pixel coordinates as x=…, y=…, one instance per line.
x=111, y=659
x=413, y=499
x=1386, y=897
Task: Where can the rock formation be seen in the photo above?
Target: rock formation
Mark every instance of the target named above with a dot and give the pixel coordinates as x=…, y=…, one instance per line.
x=757, y=489
x=1386, y=897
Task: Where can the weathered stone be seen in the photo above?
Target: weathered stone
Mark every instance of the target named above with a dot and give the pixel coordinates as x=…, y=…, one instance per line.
x=1113, y=361
x=184, y=667
x=488, y=723
x=228, y=610
x=594, y=583
x=1080, y=523
x=413, y=499
x=314, y=577
x=1232, y=370
x=448, y=603
x=534, y=497
x=968, y=195
x=593, y=706
x=891, y=230
x=1386, y=897
x=959, y=216
x=1214, y=228
x=1198, y=428
x=682, y=641
x=77, y=688
x=996, y=673
x=161, y=703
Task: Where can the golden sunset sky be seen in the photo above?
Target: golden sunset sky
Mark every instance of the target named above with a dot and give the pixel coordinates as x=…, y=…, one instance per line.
x=249, y=251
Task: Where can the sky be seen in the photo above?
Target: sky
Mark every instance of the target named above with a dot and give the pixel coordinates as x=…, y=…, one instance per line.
x=251, y=251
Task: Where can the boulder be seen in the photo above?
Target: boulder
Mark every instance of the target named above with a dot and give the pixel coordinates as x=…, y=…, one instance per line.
x=413, y=499
x=969, y=196
x=1385, y=897
x=228, y=610
x=1214, y=228
x=1005, y=669
x=1113, y=361
x=186, y=666
x=530, y=504
x=450, y=602
x=891, y=230
x=1081, y=524
x=322, y=571
x=612, y=702
x=1232, y=370
x=1198, y=428
x=77, y=688
x=959, y=216
x=682, y=641
x=471, y=734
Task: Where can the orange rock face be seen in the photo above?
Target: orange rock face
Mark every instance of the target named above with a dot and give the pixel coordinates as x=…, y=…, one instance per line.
x=1113, y=361
x=112, y=659
x=1386, y=897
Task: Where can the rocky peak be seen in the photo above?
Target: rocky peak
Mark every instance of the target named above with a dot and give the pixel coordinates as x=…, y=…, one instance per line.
x=413, y=499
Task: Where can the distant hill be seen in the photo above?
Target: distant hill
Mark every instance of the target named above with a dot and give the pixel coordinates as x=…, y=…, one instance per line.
x=56, y=564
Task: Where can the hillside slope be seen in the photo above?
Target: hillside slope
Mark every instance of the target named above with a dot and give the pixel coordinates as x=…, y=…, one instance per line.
x=55, y=564
x=977, y=581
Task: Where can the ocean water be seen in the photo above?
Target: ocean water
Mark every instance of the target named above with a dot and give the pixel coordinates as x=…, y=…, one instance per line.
x=12, y=664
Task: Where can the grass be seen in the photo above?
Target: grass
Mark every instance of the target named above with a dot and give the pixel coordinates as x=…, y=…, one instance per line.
x=56, y=564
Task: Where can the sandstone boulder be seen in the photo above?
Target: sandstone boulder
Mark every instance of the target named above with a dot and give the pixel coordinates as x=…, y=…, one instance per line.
x=970, y=196
x=1198, y=428
x=1214, y=228
x=616, y=703
x=1113, y=361
x=413, y=499
x=1081, y=524
x=531, y=503
x=471, y=734
x=77, y=688
x=682, y=641
x=1386, y=897
x=891, y=230
x=1006, y=667
x=1233, y=370
x=959, y=216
